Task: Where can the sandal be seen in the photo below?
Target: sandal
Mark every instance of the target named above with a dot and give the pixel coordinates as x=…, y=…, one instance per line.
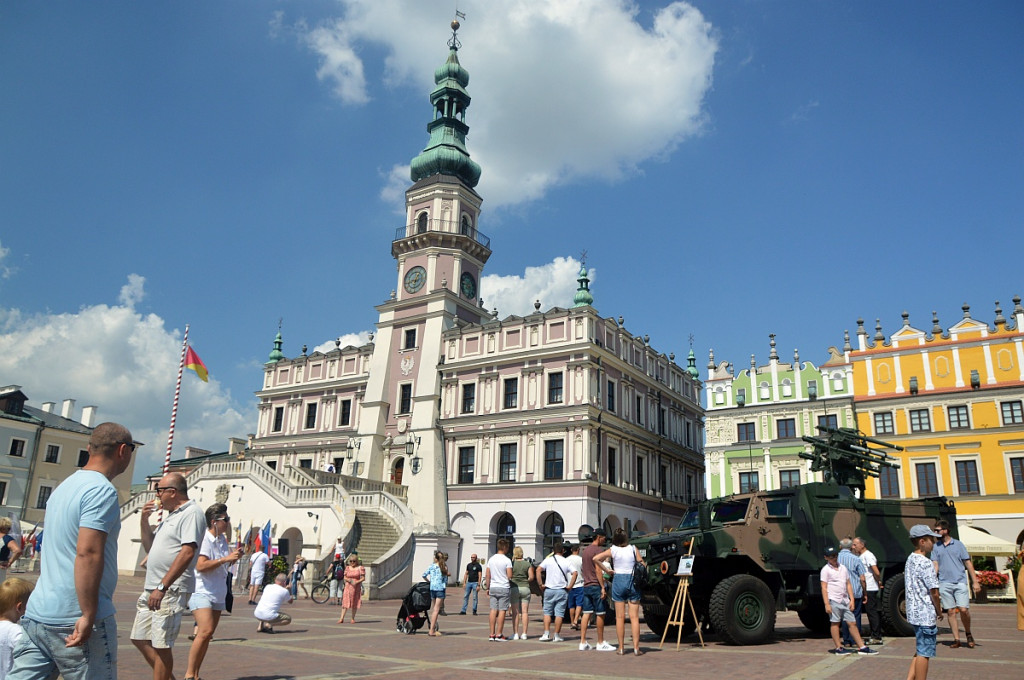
x=620, y=652
x=955, y=644
x=638, y=652
x=970, y=641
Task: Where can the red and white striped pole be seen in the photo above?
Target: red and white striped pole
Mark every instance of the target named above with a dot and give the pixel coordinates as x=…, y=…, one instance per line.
x=174, y=409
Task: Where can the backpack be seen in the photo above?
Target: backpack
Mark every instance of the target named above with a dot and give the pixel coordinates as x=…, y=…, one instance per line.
x=641, y=577
x=534, y=585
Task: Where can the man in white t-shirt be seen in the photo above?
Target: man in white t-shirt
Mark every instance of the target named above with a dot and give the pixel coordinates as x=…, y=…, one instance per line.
x=559, y=577
x=497, y=585
x=268, y=611
x=575, y=604
x=257, y=571
x=872, y=589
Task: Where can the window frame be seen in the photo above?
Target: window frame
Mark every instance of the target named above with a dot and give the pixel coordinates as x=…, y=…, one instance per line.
x=918, y=467
x=467, y=404
x=886, y=477
x=510, y=398
x=790, y=429
x=21, y=449
x=554, y=454
x=345, y=413
x=967, y=475
x=556, y=393
x=831, y=421
x=40, y=500
x=962, y=416
x=507, y=460
x=1016, y=412
x=404, y=399
x=920, y=420
x=310, y=420
x=466, y=470
x=885, y=419
x=83, y=458
x=746, y=432
x=55, y=459
x=409, y=340
x=277, y=422
x=789, y=472
x=610, y=397
x=1015, y=472
x=743, y=481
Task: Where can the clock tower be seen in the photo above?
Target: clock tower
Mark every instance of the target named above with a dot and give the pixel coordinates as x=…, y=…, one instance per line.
x=440, y=254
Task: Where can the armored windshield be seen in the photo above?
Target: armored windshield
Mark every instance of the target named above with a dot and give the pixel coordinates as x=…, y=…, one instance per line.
x=691, y=520
x=730, y=511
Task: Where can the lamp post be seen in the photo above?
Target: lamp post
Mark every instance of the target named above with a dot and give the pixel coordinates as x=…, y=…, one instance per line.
x=411, y=444
x=351, y=455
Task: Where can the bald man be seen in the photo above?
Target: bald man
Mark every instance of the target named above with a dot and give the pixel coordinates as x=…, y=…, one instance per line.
x=173, y=549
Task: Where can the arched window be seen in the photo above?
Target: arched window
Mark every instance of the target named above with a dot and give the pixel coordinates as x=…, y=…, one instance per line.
x=421, y=223
x=553, y=528
x=505, y=528
x=467, y=228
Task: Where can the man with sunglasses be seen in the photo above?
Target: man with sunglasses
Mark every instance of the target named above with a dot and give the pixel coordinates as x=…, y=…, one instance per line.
x=170, y=572
x=69, y=621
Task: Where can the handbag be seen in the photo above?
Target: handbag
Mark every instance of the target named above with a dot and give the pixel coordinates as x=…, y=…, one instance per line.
x=641, y=577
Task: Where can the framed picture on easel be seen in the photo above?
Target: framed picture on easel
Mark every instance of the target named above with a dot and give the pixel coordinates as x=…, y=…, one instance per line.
x=685, y=566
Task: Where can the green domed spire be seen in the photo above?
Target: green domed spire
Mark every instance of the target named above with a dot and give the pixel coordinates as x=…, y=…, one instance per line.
x=583, y=298
x=276, y=354
x=691, y=365
x=446, y=152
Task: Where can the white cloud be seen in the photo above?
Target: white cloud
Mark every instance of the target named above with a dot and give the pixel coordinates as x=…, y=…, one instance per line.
x=349, y=339
x=125, y=363
x=804, y=112
x=553, y=284
x=563, y=90
x=396, y=184
x=6, y=270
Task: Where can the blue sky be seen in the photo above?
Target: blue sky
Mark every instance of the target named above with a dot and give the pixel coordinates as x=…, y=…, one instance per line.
x=732, y=169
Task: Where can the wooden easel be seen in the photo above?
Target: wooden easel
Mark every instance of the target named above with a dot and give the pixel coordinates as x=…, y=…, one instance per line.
x=677, y=612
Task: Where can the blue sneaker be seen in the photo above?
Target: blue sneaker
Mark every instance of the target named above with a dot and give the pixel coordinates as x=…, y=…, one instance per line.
x=839, y=651
x=867, y=651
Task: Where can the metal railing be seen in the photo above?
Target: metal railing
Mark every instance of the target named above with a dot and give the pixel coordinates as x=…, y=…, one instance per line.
x=442, y=226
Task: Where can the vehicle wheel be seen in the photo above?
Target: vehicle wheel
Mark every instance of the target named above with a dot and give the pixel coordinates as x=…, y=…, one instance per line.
x=658, y=622
x=742, y=610
x=814, y=617
x=320, y=594
x=894, y=607
x=405, y=626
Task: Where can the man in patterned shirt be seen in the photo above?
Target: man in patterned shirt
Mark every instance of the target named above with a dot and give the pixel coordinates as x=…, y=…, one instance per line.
x=924, y=609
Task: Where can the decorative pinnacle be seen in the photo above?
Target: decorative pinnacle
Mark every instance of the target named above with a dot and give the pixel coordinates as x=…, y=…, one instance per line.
x=936, y=326
x=773, y=355
x=1000, y=319
x=453, y=42
x=967, y=310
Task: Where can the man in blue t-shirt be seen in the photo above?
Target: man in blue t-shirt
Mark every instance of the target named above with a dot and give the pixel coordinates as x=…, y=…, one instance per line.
x=78, y=571
x=855, y=570
x=951, y=560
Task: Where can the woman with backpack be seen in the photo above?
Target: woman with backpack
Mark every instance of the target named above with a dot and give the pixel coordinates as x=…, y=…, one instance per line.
x=624, y=591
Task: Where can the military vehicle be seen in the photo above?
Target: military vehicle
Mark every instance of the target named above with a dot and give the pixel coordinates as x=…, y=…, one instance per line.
x=760, y=553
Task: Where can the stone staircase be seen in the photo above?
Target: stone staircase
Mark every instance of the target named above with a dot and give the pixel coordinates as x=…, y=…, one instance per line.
x=377, y=535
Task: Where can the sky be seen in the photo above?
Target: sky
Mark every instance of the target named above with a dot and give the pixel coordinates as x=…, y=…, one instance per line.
x=731, y=168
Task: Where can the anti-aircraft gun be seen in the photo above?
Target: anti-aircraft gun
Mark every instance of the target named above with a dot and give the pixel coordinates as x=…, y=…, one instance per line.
x=760, y=553
x=845, y=456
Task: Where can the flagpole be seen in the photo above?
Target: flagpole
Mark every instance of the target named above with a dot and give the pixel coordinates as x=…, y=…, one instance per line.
x=174, y=408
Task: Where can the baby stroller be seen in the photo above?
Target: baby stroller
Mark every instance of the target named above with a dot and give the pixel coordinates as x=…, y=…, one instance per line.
x=413, y=612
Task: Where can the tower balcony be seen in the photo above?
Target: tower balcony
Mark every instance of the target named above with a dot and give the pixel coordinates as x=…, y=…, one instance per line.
x=444, y=233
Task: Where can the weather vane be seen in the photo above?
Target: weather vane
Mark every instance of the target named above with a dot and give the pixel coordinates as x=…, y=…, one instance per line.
x=583, y=258
x=454, y=42
x=691, y=340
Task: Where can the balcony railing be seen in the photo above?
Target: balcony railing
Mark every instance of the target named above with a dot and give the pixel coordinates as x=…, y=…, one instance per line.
x=424, y=226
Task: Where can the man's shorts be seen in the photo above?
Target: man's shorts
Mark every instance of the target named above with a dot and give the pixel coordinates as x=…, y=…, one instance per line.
x=160, y=627
x=593, y=603
x=42, y=648
x=954, y=595
x=280, y=620
x=256, y=578
x=841, y=612
x=575, y=598
x=555, y=601
x=203, y=601
x=499, y=599
x=925, y=636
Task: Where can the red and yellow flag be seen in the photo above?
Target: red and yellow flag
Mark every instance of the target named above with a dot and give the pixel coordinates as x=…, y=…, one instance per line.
x=193, y=361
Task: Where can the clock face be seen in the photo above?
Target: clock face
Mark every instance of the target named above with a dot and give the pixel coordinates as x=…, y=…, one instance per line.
x=467, y=284
x=415, y=278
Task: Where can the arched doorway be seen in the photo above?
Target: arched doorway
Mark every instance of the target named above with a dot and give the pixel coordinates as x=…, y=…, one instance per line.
x=290, y=543
x=553, y=529
x=397, y=471
x=505, y=528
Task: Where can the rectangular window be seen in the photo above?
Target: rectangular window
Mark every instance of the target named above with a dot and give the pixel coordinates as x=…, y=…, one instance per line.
x=52, y=453
x=958, y=417
x=507, y=471
x=883, y=423
x=889, y=482
x=278, y=419
x=468, y=398
x=748, y=482
x=346, y=412
x=640, y=463
x=786, y=427
x=467, y=457
x=83, y=457
x=829, y=421
x=410, y=339
x=788, y=478
x=745, y=432
x=927, y=482
x=306, y=463
x=3, y=493
x=1017, y=472
x=611, y=396
x=920, y=421
x=613, y=475
x=640, y=410
x=553, y=459
x=555, y=388
x=1013, y=413
x=43, y=497
x=967, y=477
x=17, y=448
x=310, y=416
x=511, y=392
x=405, y=398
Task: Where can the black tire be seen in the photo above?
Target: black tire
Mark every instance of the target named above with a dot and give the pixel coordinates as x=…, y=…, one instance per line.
x=742, y=610
x=658, y=622
x=894, y=607
x=320, y=593
x=814, y=617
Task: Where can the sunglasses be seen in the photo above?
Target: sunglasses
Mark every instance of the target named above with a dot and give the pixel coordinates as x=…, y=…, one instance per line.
x=161, y=489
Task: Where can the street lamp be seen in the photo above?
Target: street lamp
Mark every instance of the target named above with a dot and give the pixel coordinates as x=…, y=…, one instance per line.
x=411, y=444
x=351, y=452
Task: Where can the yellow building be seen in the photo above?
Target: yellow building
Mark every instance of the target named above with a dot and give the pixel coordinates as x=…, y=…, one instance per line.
x=954, y=400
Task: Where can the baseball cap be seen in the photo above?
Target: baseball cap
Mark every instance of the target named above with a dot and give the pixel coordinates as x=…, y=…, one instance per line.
x=830, y=552
x=600, y=532
x=919, y=530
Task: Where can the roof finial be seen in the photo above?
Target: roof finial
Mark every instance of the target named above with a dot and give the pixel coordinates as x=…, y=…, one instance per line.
x=878, y=331
x=936, y=326
x=967, y=310
x=454, y=41
x=711, y=358
x=772, y=355
x=1000, y=319
x=847, y=347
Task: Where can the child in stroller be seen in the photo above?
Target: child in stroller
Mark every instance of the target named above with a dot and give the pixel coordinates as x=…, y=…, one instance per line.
x=413, y=612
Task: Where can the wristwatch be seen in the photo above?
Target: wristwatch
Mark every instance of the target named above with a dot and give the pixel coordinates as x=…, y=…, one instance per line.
x=161, y=587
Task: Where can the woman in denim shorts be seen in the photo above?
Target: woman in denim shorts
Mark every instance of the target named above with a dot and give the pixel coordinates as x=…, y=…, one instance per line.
x=624, y=593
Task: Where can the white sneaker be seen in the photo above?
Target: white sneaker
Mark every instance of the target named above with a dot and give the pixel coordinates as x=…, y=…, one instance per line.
x=558, y=638
x=521, y=637
x=584, y=646
x=545, y=637
x=605, y=647
x=515, y=636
